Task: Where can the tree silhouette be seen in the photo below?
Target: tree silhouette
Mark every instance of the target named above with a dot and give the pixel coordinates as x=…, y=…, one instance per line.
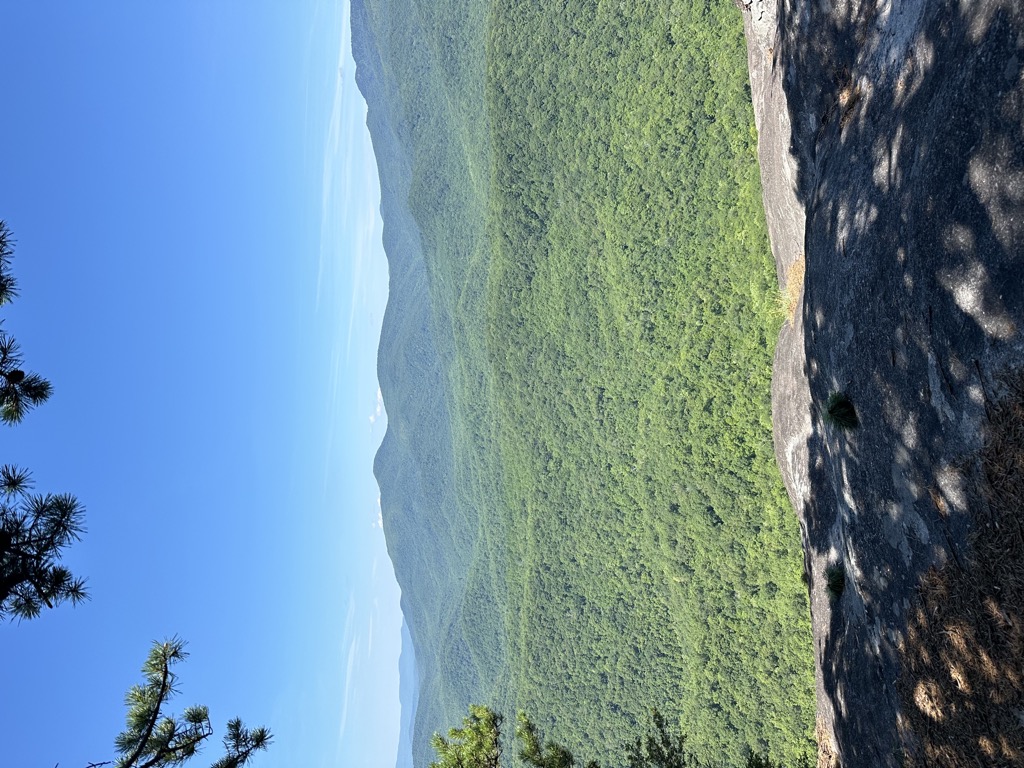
x=154, y=739
x=19, y=391
x=8, y=286
x=34, y=529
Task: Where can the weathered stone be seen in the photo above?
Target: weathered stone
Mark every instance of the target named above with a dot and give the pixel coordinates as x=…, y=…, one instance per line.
x=892, y=158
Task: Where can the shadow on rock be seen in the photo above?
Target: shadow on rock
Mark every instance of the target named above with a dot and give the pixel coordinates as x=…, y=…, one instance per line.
x=908, y=128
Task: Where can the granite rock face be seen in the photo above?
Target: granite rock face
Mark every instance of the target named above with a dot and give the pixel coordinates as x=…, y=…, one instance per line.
x=892, y=158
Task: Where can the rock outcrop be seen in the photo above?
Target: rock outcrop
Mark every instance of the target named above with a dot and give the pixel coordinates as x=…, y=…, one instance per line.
x=892, y=159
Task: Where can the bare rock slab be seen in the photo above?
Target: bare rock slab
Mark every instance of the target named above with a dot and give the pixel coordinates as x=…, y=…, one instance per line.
x=892, y=160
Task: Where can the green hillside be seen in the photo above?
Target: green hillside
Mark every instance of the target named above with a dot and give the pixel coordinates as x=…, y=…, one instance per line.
x=588, y=521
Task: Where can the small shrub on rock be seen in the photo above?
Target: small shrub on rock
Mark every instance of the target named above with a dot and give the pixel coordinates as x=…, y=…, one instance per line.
x=835, y=581
x=839, y=411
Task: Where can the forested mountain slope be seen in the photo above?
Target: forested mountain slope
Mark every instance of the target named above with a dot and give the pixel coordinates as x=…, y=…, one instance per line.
x=578, y=484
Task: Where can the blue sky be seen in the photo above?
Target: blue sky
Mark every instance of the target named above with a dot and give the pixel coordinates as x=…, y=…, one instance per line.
x=195, y=205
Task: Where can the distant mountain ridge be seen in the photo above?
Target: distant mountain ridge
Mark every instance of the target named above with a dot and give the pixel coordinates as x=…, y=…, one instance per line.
x=408, y=696
x=414, y=463
x=584, y=522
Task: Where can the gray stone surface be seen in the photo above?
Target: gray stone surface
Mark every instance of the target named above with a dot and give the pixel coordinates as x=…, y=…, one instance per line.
x=892, y=155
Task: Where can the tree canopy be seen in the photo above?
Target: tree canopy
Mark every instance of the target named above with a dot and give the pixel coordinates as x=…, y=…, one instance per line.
x=477, y=744
x=34, y=529
x=600, y=522
x=20, y=391
x=154, y=739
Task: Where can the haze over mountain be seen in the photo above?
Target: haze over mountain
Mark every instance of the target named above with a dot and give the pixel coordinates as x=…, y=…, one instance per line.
x=408, y=696
x=579, y=482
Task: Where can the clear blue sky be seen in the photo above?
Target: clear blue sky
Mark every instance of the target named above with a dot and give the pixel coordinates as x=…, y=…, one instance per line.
x=195, y=205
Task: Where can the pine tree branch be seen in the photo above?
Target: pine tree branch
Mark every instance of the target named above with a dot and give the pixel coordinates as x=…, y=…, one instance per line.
x=167, y=755
x=40, y=591
x=164, y=678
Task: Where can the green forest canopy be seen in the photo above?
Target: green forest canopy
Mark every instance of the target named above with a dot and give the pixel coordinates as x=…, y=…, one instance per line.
x=585, y=183
x=481, y=743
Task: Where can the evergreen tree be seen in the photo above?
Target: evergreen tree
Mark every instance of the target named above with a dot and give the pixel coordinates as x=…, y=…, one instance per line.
x=8, y=285
x=154, y=739
x=19, y=391
x=551, y=755
x=660, y=749
x=34, y=528
x=477, y=744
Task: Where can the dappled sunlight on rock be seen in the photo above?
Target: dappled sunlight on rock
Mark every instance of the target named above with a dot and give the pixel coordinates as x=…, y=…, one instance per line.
x=961, y=679
x=973, y=293
x=905, y=132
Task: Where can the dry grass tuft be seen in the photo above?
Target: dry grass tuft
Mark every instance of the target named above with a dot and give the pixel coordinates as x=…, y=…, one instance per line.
x=939, y=501
x=789, y=300
x=961, y=684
